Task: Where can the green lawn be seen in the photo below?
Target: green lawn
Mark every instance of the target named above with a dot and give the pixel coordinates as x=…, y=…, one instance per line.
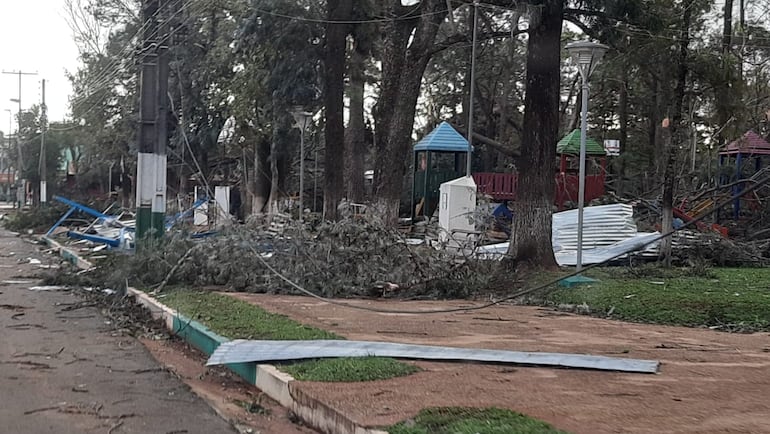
x=350, y=369
x=471, y=421
x=736, y=299
x=236, y=319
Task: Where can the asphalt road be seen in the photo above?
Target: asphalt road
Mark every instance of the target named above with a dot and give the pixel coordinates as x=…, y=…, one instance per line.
x=63, y=369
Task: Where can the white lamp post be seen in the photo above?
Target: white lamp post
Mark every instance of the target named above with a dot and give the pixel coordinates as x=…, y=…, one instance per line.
x=585, y=55
x=302, y=118
x=471, y=97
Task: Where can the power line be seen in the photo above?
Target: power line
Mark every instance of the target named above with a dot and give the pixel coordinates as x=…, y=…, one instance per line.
x=102, y=79
x=105, y=76
x=407, y=16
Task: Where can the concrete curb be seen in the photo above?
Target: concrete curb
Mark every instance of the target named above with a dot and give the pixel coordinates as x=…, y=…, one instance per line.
x=278, y=385
x=67, y=254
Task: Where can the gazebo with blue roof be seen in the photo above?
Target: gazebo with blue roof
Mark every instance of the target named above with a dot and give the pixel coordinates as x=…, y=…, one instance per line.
x=439, y=157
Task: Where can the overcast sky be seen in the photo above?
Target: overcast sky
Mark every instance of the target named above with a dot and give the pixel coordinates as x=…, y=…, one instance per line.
x=34, y=37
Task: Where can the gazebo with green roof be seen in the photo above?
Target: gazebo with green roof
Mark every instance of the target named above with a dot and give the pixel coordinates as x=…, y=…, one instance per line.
x=567, y=180
x=568, y=149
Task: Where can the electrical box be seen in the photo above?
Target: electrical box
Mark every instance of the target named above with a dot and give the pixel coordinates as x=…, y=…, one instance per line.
x=457, y=204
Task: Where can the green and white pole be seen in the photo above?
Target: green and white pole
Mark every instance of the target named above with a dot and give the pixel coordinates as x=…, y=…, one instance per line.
x=153, y=133
x=151, y=194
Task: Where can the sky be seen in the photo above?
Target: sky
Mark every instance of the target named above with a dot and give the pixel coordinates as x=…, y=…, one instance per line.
x=35, y=37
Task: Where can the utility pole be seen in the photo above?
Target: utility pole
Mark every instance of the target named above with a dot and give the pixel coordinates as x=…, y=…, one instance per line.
x=42, y=167
x=153, y=134
x=20, y=193
x=8, y=155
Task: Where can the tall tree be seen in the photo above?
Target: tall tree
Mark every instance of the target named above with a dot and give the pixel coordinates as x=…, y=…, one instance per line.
x=531, y=241
x=725, y=86
x=334, y=75
x=278, y=67
x=669, y=181
x=408, y=38
x=355, y=146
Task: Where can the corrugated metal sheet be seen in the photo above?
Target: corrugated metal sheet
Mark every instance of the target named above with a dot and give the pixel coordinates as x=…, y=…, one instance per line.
x=243, y=351
x=602, y=226
x=601, y=254
x=608, y=230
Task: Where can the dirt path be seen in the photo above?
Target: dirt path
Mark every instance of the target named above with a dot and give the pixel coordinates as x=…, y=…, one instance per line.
x=63, y=369
x=709, y=382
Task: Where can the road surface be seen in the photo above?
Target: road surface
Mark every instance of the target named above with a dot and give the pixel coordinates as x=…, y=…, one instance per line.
x=63, y=369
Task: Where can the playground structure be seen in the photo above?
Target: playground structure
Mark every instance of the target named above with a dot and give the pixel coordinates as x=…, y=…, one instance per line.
x=746, y=155
x=440, y=157
x=741, y=164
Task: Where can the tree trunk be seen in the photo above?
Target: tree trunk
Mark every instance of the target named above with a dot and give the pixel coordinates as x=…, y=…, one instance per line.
x=259, y=185
x=620, y=162
x=669, y=176
x=563, y=120
x=403, y=64
x=334, y=77
x=533, y=208
x=724, y=106
x=355, y=148
x=659, y=103
x=574, y=122
x=274, y=155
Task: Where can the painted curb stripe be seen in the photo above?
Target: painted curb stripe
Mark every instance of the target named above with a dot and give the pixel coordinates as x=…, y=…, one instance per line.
x=276, y=384
x=267, y=378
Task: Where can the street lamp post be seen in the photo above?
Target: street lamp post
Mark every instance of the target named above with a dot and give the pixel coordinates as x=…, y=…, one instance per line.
x=586, y=55
x=302, y=119
x=473, y=87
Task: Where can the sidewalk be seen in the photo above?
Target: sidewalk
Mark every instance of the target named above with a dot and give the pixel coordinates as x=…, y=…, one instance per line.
x=64, y=370
x=709, y=381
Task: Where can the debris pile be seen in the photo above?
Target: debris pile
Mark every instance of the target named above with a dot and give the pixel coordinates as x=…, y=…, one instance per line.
x=350, y=258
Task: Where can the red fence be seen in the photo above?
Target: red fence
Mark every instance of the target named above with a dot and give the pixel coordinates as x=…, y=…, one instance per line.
x=503, y=186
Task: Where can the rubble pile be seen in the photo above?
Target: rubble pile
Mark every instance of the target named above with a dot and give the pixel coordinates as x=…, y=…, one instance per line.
x=350, y=258
x=719, y=251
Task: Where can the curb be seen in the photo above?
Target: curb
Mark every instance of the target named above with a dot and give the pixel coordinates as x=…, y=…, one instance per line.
x=67, y=254
x=278, y=385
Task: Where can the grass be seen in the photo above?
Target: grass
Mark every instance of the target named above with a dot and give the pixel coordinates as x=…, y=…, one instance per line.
x=734, y=299
x=349, y=369
x=236, y=319
x=472, y=421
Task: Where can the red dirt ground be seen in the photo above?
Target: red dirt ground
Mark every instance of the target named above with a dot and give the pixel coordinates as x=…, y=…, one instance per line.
x=709, y=382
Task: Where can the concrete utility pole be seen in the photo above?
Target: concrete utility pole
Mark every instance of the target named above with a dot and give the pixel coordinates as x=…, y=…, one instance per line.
x=8, y=154
x=42, y=168
x=153, y=134
x=20, y=193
